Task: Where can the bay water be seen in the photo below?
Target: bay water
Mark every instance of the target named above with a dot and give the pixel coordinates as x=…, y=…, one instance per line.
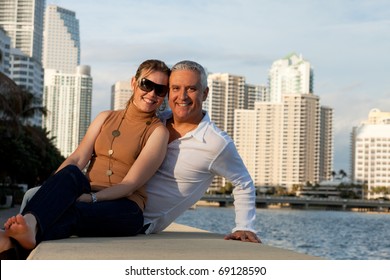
x=332, y=235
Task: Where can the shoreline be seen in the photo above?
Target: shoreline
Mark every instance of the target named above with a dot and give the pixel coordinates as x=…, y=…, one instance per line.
x=203, y=203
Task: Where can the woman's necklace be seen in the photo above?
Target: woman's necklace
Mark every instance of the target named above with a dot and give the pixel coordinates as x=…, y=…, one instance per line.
x=115, y=134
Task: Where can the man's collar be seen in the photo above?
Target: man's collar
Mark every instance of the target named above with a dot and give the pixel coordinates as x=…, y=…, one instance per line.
x=200, y=131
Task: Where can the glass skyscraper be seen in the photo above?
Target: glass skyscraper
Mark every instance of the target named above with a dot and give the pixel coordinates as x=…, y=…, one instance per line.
x=67, y=84
x=61, y=40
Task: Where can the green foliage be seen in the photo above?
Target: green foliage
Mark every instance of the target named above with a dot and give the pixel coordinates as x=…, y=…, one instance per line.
x=380, y=190
x=28, y=158
x=27, y=155
x=281, y=191
x=227, y=189
x=350, y=191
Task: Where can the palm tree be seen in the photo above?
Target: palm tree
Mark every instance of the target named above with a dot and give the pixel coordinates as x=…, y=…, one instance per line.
x=342, y=173
x=17, y=106
x=23, y=147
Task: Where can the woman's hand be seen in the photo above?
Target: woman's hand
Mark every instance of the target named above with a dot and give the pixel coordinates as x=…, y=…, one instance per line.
x=85, y=197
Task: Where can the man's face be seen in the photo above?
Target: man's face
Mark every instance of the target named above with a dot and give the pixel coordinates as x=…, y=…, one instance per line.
x=186, y=96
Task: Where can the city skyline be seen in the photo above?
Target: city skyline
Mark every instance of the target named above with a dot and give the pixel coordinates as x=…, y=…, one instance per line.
x=345, y=41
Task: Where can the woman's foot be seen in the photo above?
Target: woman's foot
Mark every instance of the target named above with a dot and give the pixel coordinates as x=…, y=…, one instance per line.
x=22, y=229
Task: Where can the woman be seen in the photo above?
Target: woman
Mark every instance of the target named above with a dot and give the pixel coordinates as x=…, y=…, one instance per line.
x=123, y=148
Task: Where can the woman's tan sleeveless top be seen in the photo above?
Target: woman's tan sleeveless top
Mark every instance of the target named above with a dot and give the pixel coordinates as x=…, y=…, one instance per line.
x=135, y=129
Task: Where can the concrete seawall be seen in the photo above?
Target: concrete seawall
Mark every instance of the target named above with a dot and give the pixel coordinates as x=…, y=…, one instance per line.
x=177, y=242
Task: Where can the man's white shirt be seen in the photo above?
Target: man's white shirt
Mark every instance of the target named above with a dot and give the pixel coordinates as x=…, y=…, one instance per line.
x=187, y=171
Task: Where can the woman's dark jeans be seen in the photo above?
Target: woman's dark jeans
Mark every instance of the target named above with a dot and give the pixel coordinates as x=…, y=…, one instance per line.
x=59, y=215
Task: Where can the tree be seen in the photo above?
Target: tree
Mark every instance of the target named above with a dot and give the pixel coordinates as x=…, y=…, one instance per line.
x=26, y=153
x=342, y=173
x=17, y=106
x=384, y=191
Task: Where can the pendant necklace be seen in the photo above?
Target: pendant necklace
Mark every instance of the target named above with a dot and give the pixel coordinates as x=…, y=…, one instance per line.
x=115, y=133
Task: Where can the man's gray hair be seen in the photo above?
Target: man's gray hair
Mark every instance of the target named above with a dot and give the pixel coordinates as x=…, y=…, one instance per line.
x=193, y=66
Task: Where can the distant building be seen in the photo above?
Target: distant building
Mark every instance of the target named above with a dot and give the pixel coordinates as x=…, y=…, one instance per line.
x=300, y=139
x=370, y=158
x=68, y=98
x=258, y=138
x=335, y=188
x=376, y=116
x=280, y=141
x=291, y=74
x=254, y=93
x=27, y=73
x=120, y=94
x=227, y=93
x=61, y=40
x=68, y=85
x=23, y=23
x=5, y=47
x=286, y=140
x=326, y=144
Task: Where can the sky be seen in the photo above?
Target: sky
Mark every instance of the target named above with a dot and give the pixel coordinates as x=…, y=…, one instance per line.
x=347, y=43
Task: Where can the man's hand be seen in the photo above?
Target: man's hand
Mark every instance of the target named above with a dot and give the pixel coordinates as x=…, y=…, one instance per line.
x=245, y=236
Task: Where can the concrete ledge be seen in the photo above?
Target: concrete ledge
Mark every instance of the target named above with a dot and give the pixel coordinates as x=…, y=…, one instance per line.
x=177, y=242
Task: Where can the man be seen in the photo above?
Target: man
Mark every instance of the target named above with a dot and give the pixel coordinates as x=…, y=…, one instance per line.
x=197, y=151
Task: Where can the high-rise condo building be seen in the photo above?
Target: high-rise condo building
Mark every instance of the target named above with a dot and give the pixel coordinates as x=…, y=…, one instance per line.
x=23, y=23
x=279, y=141
x=300, y=139
x=227, y=93
x=291, y=74
x=28, y=74
x=254, y=93
x=61, y=40
x=120, y=94
x=258, y=138
x=68, y=86
x=370, y=157
x=286, y=140
x=326, y=143
x=68, y=98
x=5, y=47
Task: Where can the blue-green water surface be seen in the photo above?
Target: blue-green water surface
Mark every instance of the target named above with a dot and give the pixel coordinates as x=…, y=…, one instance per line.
x=334, y=235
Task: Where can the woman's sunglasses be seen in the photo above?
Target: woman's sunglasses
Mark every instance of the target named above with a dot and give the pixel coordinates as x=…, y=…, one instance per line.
x=148, y=86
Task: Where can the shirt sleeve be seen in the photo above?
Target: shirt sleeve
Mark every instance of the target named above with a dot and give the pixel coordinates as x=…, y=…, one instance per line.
x=229, y=165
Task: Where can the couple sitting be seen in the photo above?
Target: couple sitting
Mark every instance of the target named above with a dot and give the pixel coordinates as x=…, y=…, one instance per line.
x=144, y=171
